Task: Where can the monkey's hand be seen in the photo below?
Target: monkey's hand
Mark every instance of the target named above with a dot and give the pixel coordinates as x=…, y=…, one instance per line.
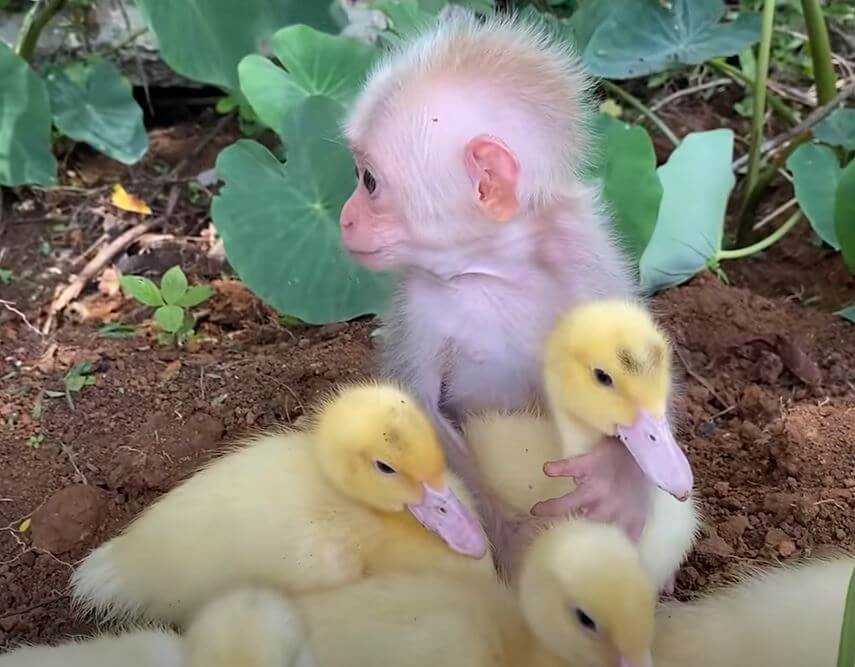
x=610, y=488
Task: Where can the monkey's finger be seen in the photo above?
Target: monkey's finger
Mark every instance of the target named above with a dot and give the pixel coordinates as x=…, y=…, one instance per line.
x=577, y=502
x=577, y=467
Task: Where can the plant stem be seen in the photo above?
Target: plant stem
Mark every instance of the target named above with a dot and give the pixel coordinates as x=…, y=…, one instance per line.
x=846, y=651
x=639, y=106
x=744, y=231
x=36, y=19
x=776, y=103
x=820, y=51
x=761, y=245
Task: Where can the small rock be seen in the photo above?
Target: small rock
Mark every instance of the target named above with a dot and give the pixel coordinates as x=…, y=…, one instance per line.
x=840, y=534
x=721, y=489
x=329, y=331
x=10, y=622
x=200, y=433
x=750, y=431
x=786, y=548
x=780, y=504
x=715, y=546
x=774, y=537
x=70, y=517
x=706, y=428
x=768, y=368
x=733, y=528
x=304, y=343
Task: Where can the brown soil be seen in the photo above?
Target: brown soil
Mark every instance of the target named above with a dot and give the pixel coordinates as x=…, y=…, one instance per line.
x=768, y=408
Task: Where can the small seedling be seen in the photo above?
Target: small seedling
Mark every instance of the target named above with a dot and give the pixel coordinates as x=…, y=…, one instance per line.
x=171, y=302
x=6, y=276
x=116, y=330
x=76, y=379
x=35, y=440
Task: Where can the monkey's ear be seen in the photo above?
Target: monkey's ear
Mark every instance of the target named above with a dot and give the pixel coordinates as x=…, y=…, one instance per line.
x=494, y=171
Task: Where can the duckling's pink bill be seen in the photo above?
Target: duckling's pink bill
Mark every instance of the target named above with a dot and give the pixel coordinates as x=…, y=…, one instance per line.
x=651, y=443
x=645, y=661
x=442, y=513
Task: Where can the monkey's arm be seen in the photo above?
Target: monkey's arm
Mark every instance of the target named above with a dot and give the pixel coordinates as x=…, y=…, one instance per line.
x=610, y=488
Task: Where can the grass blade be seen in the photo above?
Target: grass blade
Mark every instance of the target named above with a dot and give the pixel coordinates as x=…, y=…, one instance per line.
x=846, y=652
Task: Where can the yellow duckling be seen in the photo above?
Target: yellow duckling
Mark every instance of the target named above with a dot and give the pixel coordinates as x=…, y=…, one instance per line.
x=782, y=617
x=363, y=490
x=141, y=648
x=606, y=373
x=247, y=627
x=584, y=600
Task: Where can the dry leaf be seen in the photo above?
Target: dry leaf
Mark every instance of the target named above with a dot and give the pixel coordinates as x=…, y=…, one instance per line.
x=25, y=526
x=170, y=372
x=108, y=282
x=128, y=202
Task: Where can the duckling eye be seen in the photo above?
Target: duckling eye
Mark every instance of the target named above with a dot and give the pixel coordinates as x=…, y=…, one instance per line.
x=603, y=378
x=585, y=621
x=385, y=468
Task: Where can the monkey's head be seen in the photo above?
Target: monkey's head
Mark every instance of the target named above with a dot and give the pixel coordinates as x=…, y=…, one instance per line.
x=457, y=138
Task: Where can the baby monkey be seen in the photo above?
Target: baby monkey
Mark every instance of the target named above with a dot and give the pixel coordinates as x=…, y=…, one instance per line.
x=469, y=145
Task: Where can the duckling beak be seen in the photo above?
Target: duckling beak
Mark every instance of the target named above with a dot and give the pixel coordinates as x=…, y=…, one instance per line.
x=442, y=512
x=652, y=445
x=646, y=660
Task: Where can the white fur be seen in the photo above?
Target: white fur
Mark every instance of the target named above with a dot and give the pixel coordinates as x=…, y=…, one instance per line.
x=140, y=648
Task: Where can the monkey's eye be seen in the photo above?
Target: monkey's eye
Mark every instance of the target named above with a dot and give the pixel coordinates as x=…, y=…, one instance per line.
x=369, y=181
x=584, y=620
x=603, y=378
x=385, y=468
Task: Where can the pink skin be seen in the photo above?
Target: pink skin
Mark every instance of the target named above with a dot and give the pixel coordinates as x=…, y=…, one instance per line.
x=611, y=488
x=483, y=276
x=441, y=512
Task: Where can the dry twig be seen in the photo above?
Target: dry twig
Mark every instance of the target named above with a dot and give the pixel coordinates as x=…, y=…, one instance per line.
x=10, y=305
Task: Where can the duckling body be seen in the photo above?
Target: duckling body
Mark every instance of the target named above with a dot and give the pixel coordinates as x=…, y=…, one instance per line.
x=606, y=372
x=784, y=617
x=510, y=450
x=141, y=648
x=272, y=513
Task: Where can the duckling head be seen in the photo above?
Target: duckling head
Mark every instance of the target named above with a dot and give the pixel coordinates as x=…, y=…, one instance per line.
x=586, y=596
x=376, y=445
x=608, y=366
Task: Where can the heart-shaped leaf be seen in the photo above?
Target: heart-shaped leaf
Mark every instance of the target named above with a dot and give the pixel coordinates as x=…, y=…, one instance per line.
x=279, y=223
x=206, y=39
x=626, y=164
x=844, y=215
x=25, y=125
x=173, y=286
x=169, y=318
x=92, y=102
x=696, y=184
x=838, y=129
x=816, y=173
x=142, y=289
x=195, y=295
x=316, y=64
x=631, y=39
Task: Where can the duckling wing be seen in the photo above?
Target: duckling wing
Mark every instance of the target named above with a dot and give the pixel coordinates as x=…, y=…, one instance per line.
x=510, y=450
x=261, y=514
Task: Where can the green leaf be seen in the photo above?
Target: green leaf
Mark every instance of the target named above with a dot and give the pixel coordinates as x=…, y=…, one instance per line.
x=93, y=103
x=25, y=125
x=279, y=223
x=205, y=39
x=838, y=129
x=116, y=330
x=696, y=184
x=844, y=215
x=316, y=64
x=196, y=295
x=142, y=289
x=848, y=313
x=173, y=286
x=627, y=166
x=815, y=175
x=631, y=39
x=407, y=17
x=169, y=318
